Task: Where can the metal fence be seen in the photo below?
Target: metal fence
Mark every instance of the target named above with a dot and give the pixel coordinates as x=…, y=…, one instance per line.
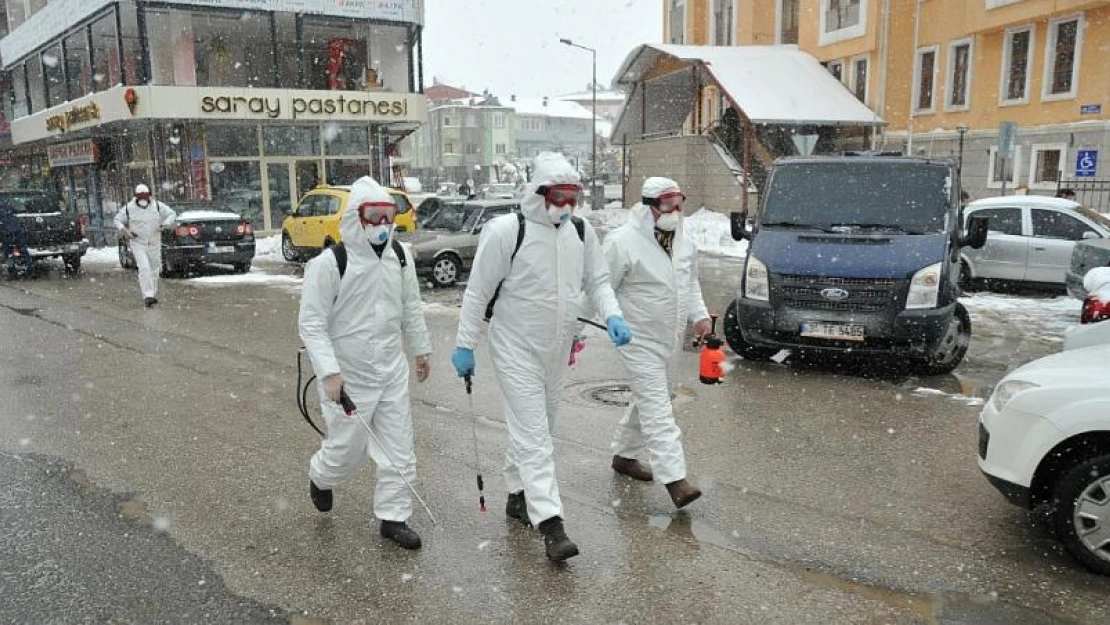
x=1090, y=192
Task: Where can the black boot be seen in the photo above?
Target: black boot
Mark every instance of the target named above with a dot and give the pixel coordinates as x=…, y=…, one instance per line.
x=149, y=301
x=400, y=533
x=555, y=540
x=320, y=498
x=517, y=508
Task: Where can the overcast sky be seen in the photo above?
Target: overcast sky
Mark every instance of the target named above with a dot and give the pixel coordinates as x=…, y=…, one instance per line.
x=512, y=46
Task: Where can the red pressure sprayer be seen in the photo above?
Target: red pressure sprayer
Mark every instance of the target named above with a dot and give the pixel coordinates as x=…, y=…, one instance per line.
x=712, y=356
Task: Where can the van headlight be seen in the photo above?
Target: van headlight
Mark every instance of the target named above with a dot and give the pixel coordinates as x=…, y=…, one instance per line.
x=1009, y=390
x=924, y=288
x=756, y=285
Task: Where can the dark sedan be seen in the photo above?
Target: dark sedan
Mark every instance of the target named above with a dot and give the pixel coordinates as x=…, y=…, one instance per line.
x=205, y=233
x=446, y=244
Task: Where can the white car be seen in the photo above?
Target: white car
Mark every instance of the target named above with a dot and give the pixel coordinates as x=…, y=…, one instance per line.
x=1044, y=440
x=1031, y=239
x=1096, y=309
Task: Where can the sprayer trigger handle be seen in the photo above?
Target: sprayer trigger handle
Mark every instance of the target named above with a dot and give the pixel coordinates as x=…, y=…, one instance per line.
x=345, y=401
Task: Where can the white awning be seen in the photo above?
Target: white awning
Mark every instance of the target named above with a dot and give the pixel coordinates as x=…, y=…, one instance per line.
x=769, y=84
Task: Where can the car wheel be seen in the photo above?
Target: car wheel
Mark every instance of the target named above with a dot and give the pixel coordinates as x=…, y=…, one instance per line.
x=446, y=270
x=288, y=250
x=736, y=341
x=951, y=349
x=242, y=267
x=72, y=263
x=1081, y=513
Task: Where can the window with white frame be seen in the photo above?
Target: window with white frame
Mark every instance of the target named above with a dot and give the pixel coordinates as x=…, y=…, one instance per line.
x=1061, y=64
x=836, y=68
x=925, y=79
x=999, y=169
x=959, y=74
x=1045, y=164
x=787, y=16
x=860, y=66
x=678, y=21
x=499, y=149
x=449, y=147
x=722, y=25
x=841, y=20
x=1016, y=54
x=499, y=121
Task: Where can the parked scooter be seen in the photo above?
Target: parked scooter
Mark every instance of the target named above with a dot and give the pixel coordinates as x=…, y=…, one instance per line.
x=18, y=257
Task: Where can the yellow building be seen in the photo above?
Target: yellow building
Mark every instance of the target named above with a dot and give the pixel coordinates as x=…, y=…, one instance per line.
x=936, y=70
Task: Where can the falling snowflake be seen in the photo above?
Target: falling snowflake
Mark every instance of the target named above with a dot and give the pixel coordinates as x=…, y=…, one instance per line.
x=160, y=524
x=49, y=60
x=331, y=131
x=406, y=577
x=281, y=504
x=456, y=589
x=482, y=545
x=23, y=442
x=616, y=503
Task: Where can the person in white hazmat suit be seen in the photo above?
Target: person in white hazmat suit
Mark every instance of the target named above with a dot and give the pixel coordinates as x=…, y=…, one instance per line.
x=653, y=269
x=357, y=328
x=531, y=330
x=140, y=223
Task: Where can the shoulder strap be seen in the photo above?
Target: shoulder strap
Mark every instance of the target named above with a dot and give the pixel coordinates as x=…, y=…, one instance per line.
x=580, y=226
x=400, y=252
x=340, y=252
x=519, y=241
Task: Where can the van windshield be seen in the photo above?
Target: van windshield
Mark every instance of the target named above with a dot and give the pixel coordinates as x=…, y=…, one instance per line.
x=909, y=198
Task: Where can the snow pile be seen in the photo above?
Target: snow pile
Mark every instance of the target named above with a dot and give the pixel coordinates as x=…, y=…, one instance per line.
x=711, y=232
x=101, y=256
x=254, y=277
x=268, y=248
x=607, y=218
x=1042, y=318
x=964, y=399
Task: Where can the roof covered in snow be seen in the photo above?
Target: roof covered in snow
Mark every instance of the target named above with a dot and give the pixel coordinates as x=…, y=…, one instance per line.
x=553, y=108
x=602, y=96
x=770, y=84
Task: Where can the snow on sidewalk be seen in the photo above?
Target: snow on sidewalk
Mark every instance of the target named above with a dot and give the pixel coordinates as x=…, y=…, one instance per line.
x=709, y=230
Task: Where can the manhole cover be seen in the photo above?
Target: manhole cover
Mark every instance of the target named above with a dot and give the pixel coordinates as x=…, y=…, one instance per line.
x=611, y=394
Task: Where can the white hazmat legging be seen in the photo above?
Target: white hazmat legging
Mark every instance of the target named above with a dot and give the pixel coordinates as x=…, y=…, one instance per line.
x=148, y=258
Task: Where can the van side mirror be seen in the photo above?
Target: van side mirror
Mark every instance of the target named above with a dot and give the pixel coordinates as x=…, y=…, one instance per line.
x=976, y=236
x=738, y=220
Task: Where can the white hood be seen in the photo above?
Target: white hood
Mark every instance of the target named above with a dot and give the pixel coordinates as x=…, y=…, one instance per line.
x=550, y=169
x=365, y=189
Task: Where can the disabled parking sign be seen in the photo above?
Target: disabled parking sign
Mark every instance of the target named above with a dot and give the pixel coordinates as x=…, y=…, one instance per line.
x=1086, y=163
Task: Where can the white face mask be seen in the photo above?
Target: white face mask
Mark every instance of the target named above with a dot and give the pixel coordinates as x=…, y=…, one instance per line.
x=558, y=214
x=378, y=235
x=668, y=222
x=143, y=203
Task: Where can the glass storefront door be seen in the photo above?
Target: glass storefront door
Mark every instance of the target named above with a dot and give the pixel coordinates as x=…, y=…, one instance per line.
x=286, y=183
x=308, y=176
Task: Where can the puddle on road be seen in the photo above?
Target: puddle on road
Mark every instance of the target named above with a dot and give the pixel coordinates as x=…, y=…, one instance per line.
x=933, y=608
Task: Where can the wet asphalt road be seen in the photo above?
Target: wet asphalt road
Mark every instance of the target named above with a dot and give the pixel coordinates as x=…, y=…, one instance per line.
x=831, y=497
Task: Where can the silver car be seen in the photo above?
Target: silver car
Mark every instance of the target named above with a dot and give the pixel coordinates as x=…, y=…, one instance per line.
x=1031, y=239
x=446, y=243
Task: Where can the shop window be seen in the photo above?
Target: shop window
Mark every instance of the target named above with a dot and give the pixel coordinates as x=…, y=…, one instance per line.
x=133, y=71
x=54, y=73
x=36, y=84
x=19, y=91
x=959, y=74
x=291, y=140
x=346, y=140
x=390, y=50
x=1062, y=63
x=209, y=49
x=232, y=141
x=106, y=65
x=926, y=79
x=239, y=183
x=78, y=68
x=289, y=73
x=1015, y=66
x=336, y=55
x=346, y=171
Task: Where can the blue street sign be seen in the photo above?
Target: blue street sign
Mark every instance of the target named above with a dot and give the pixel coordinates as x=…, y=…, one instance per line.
x=1090, y=109
x=1086, y=163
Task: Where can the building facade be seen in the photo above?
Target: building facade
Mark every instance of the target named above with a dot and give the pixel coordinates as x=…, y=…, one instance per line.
x=947, y=73
x=210, y=100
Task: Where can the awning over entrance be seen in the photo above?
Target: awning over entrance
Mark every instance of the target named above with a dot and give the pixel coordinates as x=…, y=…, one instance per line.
x=770, y=85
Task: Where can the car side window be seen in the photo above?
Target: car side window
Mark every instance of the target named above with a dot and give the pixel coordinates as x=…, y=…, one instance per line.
x=1002, y=220
x=333, y=205
x=307, y=207
x=403, y=205
x=1048, y=224
x=490, y=213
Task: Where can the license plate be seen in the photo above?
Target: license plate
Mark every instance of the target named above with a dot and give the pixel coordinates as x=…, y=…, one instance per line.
x=833, y=331
x=220, y=249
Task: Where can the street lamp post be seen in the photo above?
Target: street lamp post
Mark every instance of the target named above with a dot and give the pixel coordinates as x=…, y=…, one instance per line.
x=962, y=129
x=593, y=113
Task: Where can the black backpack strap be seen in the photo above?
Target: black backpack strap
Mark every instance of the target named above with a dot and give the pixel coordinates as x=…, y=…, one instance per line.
x=519, y=242
x=580, y=226
x=400, y=252
x=340, y=252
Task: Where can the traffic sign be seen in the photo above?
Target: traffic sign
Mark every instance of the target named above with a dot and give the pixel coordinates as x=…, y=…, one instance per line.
x=1007, y=138
x=1086, y=163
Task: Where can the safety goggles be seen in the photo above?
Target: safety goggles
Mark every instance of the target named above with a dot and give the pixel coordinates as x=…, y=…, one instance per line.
x=377, y=213
x=667, y=202
x=560, y=195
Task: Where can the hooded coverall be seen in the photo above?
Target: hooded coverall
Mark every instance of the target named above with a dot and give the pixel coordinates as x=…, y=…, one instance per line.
x=146, y=247
x=362, y=327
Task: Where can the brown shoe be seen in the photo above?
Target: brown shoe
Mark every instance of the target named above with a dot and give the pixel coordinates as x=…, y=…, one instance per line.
x=632, y=468
x=683, y=493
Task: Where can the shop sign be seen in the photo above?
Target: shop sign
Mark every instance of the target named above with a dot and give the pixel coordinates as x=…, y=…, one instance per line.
x=80, y=114
x=352, y=107
x=69, y=154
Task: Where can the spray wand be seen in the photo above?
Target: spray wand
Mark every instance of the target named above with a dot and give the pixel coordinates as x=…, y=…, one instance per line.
x=474, y=433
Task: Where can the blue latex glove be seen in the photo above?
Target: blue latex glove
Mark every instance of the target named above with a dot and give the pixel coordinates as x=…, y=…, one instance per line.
x=463, y=359
x=619, y=332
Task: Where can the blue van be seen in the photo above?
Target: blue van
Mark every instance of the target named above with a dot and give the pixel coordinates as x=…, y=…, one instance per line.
x=856, y=254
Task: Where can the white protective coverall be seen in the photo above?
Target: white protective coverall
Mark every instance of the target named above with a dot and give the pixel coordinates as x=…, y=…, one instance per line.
x=658, y=294
x=146, y=247
x=533, y=324
x=363, y=328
